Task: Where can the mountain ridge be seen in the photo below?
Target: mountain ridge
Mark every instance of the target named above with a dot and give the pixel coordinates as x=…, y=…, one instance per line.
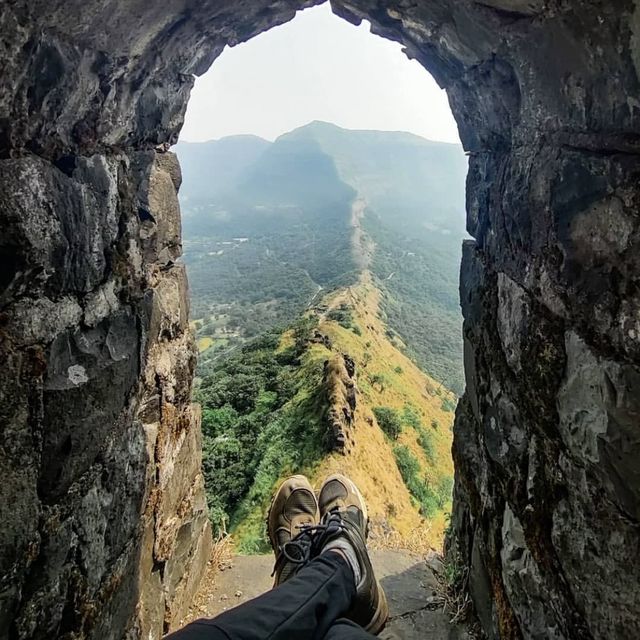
x=293, y=202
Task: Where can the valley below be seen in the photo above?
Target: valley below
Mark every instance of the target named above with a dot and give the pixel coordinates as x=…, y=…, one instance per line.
x=324, y=304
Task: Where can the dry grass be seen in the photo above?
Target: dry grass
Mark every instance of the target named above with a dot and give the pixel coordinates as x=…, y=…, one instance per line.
x=369, y=458
x=222, y=554
x=204, y=343
x=453, y=591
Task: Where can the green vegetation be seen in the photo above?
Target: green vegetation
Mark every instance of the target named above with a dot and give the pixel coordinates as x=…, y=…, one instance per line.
x=419, y=281
x=410, y=471
x=268, y=234
x=260, y=249
x=448, y=404
x=425, y=440
x=411, y=416
x=267, y=224
x=414, y=189
x=260, y=417
x=378, y=379
x=429, y=500
x=343, y=315
x=389, y=421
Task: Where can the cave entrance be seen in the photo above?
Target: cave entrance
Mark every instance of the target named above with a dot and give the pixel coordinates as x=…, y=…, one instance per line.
x=105, y=527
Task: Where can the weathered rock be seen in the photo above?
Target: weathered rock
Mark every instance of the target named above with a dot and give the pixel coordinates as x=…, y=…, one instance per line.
x=339, y=395
x=94, y=396
x=95, y=331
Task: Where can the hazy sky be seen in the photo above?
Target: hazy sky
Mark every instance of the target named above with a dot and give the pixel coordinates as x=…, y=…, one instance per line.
x=316, y=67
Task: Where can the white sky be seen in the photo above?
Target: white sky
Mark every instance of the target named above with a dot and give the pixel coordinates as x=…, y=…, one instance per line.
x=316, y=67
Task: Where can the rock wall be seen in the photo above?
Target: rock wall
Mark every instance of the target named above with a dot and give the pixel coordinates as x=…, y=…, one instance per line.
x=105, y=528
x=101, y=503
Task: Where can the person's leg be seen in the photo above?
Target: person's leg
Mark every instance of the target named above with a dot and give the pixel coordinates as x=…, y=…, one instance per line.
x=309, y=596
x=344, y=629
x=304, y=607
x=346, y=523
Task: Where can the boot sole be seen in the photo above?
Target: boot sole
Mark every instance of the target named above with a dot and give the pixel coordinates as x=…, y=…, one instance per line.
x=381, y=615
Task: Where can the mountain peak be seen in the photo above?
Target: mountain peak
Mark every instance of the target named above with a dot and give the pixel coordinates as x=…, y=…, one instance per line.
x=321, y=130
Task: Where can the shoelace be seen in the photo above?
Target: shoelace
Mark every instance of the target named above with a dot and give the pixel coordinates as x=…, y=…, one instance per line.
x=309, y=542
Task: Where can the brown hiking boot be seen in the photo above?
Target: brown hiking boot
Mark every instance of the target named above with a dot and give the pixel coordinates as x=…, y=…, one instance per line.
x=344, y=514
x=290, y=523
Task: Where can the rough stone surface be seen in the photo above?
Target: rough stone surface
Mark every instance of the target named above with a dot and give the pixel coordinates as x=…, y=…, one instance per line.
x=94, y=397
x=103, y=504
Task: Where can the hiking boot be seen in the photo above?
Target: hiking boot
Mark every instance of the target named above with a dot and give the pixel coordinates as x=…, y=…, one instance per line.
x=345, y=520
x=292, y=517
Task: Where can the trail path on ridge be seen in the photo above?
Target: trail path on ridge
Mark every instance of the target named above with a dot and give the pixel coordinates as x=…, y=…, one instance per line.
x=411, y=587
x=362, y=247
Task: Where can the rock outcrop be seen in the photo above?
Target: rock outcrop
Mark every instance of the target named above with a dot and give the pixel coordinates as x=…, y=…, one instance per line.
x=103, y=516
x=339, y=394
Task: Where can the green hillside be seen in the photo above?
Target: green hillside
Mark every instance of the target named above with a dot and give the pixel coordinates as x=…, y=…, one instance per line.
x=259, y=250
x=264, y=417
x=415, y=216
x=324, y=243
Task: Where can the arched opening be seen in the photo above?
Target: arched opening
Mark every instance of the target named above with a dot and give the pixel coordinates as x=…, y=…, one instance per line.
x=102, y=508
x=325, y=241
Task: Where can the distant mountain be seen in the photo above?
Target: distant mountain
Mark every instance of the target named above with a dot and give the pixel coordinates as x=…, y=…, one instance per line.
x=291, y=203
x=414, y=181
x=293, y=171
x=417, y=179
x=210, y=168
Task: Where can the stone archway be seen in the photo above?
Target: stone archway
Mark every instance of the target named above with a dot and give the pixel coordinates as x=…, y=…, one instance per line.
x=104, y=523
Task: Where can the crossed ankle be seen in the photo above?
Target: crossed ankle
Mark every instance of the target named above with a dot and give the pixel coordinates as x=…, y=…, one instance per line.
x=344, y=549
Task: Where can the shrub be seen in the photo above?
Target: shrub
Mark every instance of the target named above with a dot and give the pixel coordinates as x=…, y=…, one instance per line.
x=408, y=465
x=409, y=468
x=302, y=332
x=425, y=440
x=389, y=421
x=445, y=490
x=379, y=379
x=398, y=370
x=356, y=329
x=342, y=316
x=411, y=416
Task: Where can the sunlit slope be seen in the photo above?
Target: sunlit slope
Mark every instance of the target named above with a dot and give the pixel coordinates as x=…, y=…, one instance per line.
x=386, y=379
x=414, y=215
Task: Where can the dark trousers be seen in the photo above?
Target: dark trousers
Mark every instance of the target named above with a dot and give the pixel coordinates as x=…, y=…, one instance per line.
x=308, y=606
